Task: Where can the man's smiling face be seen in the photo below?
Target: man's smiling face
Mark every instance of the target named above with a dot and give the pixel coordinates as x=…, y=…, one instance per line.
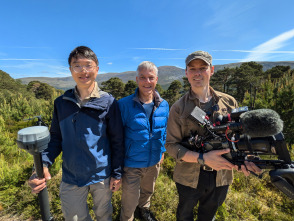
x=85, y=77
x=198, y=73
x=146, y=81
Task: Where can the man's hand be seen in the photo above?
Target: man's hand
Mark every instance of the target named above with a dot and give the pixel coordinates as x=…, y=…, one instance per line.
x=162, y=159
x=114, y=184
x=37, y=184
x=214, y=160
x=250, y=166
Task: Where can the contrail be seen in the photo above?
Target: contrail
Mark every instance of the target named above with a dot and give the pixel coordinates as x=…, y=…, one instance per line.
x=159, y=49
x=261, y=51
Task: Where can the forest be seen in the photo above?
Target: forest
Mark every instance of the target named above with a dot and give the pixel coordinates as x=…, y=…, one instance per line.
x=249, y=198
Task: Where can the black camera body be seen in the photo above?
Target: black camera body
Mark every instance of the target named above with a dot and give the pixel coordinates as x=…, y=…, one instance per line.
x=230, y=132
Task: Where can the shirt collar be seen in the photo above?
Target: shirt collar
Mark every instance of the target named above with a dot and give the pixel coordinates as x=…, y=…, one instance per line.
x=95, y=92
x=214, y=95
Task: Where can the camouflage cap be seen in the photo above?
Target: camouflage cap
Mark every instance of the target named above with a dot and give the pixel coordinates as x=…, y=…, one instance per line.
x=203, y=55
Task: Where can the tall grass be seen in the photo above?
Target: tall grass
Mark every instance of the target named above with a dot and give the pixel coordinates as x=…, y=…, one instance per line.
x=249, y=198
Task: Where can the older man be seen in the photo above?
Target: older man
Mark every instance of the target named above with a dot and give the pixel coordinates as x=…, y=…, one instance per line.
x=144, y=116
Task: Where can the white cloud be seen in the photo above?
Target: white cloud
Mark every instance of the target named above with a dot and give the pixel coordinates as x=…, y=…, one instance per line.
x=23, y=66
x=26, y=59
x=60, y=67
x=109, y=63
x=228, y=19
x=102, y=72
x=219, y=59
x=136, y=58
x=22, y=47
x=65, y=74
x=182, y=67
x=171, y=58
x=262, y=51
x=226, y=59
x=34, y=65
x=252, y=51
x=159, y=49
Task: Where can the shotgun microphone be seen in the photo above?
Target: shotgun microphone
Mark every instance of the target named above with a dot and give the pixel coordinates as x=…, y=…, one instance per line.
x=261, y=123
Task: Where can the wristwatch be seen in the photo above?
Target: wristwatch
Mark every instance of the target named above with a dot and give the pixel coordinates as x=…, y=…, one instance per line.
x=200, y=159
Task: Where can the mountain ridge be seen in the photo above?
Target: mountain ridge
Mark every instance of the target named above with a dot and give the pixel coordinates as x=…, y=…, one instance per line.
x=166, y=74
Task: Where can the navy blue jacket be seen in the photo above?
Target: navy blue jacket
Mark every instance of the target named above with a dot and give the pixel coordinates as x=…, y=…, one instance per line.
x=90, y=138
x=144, y=142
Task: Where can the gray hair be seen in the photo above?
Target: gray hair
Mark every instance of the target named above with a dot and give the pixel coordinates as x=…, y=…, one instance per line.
x=147, y=65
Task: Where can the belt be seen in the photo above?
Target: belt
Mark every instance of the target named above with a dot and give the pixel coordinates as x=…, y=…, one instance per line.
x=206, y=168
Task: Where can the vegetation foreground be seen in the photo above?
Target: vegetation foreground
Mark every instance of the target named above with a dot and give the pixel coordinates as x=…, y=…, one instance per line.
x=249, y=198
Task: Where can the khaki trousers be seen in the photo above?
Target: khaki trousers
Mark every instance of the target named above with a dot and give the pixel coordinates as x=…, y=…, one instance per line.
x=137, y=188
x=74, y=201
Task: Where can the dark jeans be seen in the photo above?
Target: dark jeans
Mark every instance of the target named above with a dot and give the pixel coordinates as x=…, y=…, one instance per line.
x=207, y=194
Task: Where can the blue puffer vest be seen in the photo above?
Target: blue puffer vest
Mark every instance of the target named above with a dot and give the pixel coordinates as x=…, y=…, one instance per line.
x=144, y=142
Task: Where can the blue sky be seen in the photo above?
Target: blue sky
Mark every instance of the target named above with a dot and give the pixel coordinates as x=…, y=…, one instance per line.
x=37, y=36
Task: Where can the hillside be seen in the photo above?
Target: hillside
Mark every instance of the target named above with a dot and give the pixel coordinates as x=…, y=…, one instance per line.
x=249, y=198
x=8, y=83
x=166, y=74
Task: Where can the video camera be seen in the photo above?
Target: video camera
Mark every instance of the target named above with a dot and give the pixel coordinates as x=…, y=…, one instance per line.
x=249, y=135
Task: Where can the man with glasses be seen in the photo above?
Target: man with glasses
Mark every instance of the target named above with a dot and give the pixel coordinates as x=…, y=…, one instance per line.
x=87, y=129
x=144, y=116
x=200, y=177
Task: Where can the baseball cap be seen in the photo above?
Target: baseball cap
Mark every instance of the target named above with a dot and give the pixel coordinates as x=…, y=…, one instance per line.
x=203, y=55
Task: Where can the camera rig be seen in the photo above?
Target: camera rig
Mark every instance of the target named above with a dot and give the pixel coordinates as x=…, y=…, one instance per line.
x=229, y=132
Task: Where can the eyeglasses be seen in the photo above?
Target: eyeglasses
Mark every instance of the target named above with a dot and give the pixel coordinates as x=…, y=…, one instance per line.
x=79, y=68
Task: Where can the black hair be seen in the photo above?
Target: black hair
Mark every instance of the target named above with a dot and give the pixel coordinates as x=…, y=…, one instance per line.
x=83, y=51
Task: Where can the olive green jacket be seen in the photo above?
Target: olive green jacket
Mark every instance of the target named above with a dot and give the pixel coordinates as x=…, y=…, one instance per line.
x=180, y=126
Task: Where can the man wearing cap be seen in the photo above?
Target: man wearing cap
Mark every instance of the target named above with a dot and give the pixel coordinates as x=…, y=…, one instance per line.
x=199, y=177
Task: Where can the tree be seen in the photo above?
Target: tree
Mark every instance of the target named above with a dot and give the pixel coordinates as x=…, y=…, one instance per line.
x=279, y=96
x=159, y=89
x=220, y=79
x=172, y=94
x=284, y=105
x=130, y=88
x=277, y=71
x=8, y=83
x=247, y=76
x=186, y=85
x=114, y=86
x=41, y=90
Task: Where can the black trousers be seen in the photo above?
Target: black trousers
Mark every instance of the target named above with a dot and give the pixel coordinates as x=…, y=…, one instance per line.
x=207, y=194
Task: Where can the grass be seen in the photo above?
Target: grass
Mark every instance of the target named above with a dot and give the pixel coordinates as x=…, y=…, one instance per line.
x=249, y=198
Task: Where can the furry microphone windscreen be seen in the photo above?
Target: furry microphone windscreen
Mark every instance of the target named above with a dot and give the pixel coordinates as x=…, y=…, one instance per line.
x=261, y=123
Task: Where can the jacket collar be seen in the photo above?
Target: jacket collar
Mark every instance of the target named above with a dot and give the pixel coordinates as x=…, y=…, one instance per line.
x=157, y=98
x=215, y=95
x=94, y=93
x=98, y=103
